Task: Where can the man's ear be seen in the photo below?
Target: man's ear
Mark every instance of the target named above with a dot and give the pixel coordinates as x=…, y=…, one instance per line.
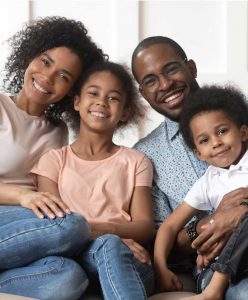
x=198, y=154
x=76, y=102
x=244, y=133
x=192, y=67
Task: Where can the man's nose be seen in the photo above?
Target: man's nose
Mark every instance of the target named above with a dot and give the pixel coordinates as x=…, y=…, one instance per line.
x=164, y=82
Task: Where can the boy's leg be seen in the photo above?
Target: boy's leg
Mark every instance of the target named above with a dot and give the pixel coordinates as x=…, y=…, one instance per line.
x=110, y=260
x=49, y=278
x=24, y=238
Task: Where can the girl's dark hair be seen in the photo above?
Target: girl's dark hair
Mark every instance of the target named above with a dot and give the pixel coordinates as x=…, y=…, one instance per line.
x=133, y=102
x=228, y=99
x=41, y=35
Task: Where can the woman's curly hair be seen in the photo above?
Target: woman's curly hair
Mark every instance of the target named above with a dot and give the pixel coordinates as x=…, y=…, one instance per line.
x=41, y=35
x=133, y=102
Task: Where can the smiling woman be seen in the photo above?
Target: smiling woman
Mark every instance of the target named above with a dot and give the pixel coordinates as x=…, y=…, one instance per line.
x=48, y=57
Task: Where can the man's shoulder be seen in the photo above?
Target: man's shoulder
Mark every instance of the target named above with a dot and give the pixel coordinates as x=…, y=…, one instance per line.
x=152, y=139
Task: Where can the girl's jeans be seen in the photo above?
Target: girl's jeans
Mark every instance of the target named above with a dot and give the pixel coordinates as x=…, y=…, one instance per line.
x=28, y=254
x=121, y=276
x=232, y=261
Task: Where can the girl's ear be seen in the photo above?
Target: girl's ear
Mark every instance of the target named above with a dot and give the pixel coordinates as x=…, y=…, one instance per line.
x=125, y=115
x=76, y=102
x=198, y=154
x=244, y=133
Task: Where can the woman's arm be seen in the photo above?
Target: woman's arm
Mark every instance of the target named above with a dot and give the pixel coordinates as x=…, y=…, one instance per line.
x=141, y=228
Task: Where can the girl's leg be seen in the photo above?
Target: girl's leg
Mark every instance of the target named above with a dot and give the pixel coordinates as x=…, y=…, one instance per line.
x=24, y=238
x=49, y=278
x=110, y=260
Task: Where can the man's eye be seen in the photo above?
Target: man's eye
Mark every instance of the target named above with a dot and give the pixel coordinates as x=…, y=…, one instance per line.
x=172, y=69
x=150, y=81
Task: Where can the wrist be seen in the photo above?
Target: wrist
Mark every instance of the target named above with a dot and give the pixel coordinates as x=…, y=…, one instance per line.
x=191, y=230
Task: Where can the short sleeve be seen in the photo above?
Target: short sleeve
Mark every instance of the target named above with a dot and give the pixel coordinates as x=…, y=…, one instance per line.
x=197, y=197
x=144, y=173
x=49, y=166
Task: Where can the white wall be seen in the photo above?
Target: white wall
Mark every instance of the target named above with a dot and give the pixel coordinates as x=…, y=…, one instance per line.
x=213, y=33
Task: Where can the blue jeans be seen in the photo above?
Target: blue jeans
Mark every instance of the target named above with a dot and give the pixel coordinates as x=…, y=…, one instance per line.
x=28, y=254
x=121, y=276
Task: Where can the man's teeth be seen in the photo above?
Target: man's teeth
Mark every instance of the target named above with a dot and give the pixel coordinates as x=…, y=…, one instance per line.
x=98, y=114
x=172, y=97
x=39, y=88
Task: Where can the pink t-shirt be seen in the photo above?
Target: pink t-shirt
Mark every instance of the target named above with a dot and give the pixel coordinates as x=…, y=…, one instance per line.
x=99, y=190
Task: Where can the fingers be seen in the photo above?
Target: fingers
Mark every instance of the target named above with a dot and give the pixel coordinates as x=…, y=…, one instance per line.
x=46, y=204
x=139, y=252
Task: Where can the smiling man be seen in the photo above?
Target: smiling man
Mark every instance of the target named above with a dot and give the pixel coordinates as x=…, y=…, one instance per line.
x=166, y=76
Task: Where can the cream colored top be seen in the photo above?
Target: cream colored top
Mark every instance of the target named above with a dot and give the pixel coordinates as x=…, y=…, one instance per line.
x=23, y=140
x=99, y=190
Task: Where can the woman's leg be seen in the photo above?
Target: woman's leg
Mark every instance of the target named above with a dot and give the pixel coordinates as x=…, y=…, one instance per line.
x=49, y=278
x=24, y=238
x=120, y=275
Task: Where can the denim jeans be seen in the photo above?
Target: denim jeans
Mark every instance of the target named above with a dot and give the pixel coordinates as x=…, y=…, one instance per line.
x=233, y=262
x=121, y=276
x=28, y=254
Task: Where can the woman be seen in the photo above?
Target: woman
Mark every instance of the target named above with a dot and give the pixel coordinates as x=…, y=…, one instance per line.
x=47, y=59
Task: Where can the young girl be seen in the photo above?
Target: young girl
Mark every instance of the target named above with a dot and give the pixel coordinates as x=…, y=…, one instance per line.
x=46, y=61
x=108, y=184
x=215, y=126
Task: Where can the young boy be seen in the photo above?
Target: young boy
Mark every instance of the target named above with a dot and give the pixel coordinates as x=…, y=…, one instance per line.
x=215, y=126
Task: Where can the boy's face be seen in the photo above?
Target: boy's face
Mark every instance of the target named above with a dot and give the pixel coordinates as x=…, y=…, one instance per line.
x=218, y=140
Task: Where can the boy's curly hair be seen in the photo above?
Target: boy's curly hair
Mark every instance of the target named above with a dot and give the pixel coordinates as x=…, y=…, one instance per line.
x=228, y=99
x=41, y=35
x=133, y=101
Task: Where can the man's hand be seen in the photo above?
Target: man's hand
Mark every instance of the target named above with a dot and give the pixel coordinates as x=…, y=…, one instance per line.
x=43, y=203
x=139, y=252
x=233, y=199
x=166, y=280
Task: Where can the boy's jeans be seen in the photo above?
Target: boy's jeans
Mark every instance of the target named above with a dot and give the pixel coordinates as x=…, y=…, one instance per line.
x=28, y=254
x=121, y=276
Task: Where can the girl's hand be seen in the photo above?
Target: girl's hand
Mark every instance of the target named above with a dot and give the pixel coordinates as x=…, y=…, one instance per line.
x=43, y=204
x=168, y=281
x=139, y=252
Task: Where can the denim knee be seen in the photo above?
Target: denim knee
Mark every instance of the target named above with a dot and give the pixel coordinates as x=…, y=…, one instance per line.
x=74, y=234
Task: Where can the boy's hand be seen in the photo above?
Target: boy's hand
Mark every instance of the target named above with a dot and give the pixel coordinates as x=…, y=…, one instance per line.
x=168, y=281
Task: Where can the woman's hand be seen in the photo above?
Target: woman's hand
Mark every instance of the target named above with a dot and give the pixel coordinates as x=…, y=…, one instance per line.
x=139, y=251
x=43, y=204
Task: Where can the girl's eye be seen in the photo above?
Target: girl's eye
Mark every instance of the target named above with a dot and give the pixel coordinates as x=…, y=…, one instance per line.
x=92, y=93
x=63, y=76
x=222, y=131
x=113, y=98
x=45, y=61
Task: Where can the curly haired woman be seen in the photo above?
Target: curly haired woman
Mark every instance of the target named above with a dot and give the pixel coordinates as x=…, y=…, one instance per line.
x=48, y=58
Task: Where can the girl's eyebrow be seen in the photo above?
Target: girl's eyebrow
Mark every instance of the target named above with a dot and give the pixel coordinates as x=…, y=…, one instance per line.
x=52, y=61
x=111, y=91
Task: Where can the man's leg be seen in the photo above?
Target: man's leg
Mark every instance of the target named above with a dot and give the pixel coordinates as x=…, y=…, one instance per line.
x=49, y=278
x=24, y=238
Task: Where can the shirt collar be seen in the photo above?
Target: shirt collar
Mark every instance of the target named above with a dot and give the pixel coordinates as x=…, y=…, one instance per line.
x=172, y=127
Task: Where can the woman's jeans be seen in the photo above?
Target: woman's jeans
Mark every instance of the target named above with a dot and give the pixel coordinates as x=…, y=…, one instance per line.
x=28, y=254
x=121, y=276
x=232, y=261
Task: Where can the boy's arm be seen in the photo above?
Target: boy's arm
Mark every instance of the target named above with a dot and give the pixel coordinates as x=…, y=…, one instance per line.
x=164, y=243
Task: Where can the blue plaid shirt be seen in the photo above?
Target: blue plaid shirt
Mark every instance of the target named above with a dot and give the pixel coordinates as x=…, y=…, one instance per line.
x=175, y=167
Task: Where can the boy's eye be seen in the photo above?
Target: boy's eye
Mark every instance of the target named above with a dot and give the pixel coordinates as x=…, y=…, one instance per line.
x=203, y=141
x=222, y=131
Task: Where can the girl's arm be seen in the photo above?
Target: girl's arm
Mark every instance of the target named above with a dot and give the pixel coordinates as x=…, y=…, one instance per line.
x=164, y=243
x=141, y=228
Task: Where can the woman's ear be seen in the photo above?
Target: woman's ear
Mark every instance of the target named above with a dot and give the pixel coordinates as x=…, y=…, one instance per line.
x=76, y=102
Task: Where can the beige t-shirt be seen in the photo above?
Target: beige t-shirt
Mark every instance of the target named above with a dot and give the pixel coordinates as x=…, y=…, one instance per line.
x=23, y=140
x=99, y=190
